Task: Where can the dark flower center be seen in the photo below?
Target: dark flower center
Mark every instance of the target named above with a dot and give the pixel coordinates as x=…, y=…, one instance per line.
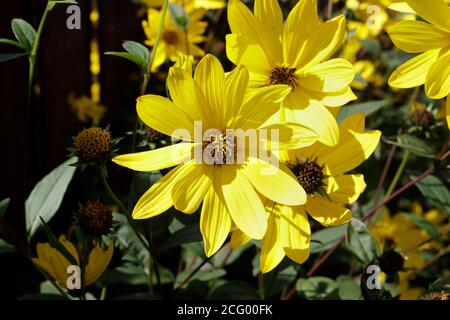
x=95, y=218
x=422, y=118
x=170, y=37
x=220, y=149
x=309, y=174
x=92, y=143
x=283, y=75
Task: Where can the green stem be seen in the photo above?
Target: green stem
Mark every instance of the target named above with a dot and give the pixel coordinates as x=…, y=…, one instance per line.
x=193, y=273
x=398, y=173
x=261, y=285
x=103, y=293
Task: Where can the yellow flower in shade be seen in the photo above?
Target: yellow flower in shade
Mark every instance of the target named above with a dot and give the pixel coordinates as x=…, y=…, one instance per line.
x=321, y=172
x=296, y=53
x=175, y=41
x=410, y=240
x=86, y=109
x=432, y=40
x=229, y=192
x=205, y=4
x=55, y=264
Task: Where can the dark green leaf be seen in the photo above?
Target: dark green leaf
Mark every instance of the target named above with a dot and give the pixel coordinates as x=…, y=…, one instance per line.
x=324, y=239
x=190, y=233
x=234, y=290
x=11, y=42
x=367, y=108
x=24, y=33
x=141, y=63
x=47, y=195
x=136, y=49
x=348, y=288
x=317, y=288
x=414, y=145
x=361, y=242
x=435, y=192
x=5, y=247
x=3, y=206
x=10, y=56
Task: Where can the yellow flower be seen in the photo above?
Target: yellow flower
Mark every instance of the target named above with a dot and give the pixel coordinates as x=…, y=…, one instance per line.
x=86, y=109
x=228, y=191
x=55, y=264
x=321, y=172
x=205, y=4
x=295, y=53
x=175, y=41
x=432, y=40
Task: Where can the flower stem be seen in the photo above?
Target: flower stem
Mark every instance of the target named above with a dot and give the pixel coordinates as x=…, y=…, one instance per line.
x=398, y=173
x=193, y=273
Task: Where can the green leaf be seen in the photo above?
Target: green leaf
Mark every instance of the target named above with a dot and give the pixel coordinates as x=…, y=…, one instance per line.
x=317, y=288
x=367, y=108
x=137, y=49
x=47, y=195
x=11, y=43
x=10, y=56
x=348, y=288
x=361, y=242
x=415, y=145
x=234, y=290
x=435, y=192
x=5, y=247
x=24, y=33
x=53, y=3
x=141, y=63
x=190, y=233
x=423, y=224
x=179, y=16
x=3, y=206
x=324, y=239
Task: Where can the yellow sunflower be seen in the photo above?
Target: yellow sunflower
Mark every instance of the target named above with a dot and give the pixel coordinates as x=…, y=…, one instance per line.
x=206, y=4
x=55, y=264
x=432, y=40
x=175, y=41
x=229, y=191
x=320, y=170
x=296, y=53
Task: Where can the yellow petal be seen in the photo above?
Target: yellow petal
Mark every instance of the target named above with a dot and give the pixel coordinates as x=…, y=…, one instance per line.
x=241, y=50
x=210, y=76
x=323, y=43
x=409, y=36
x=326, y=212
x=215, y=220
x=97, y=263
x=272, y=252
x=295, y=233
x=313, y=115
x=330, y=76
x=447, y=111
x=243, y=203
x=332, y=99
x=353, y=149
x=301, y=22
x=346, y=188
x=413, y=73
x=192, y=186
x=164, y=116
x=269, y=13
x=157, y=159
x=238, y=238
x=69, y=247
x=276, y=184
x=236, y=85
x=158, y=198
x=434, y=11
x=355, y=122
x=260, y=106
x=289, y=136
x=437, y=83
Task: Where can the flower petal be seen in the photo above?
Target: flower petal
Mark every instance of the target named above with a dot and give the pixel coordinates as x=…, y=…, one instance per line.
x=236, y=85
x=191, y=187
x=437, y=83
x=295, y=233
x=97, y=263
x=272, y=252
x=238, y=238
x=346, y=188
x=447, y=111
x=215, y=220
x=413, y=72
x=353, y=149
x=276, y=184
x=330, y=76
x=243, y=203
x=409, y=36
x=157, y=159
x=158, y=198
x=434, y=11
x=269, y=13
x=326, y=212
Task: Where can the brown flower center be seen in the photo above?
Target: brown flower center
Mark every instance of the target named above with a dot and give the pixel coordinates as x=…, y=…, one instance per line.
x=283, y=75
x=309, y=174
x=170, y=37
x=93, y=143
x=422, y=118
x=220, y=149
x=95, y=218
